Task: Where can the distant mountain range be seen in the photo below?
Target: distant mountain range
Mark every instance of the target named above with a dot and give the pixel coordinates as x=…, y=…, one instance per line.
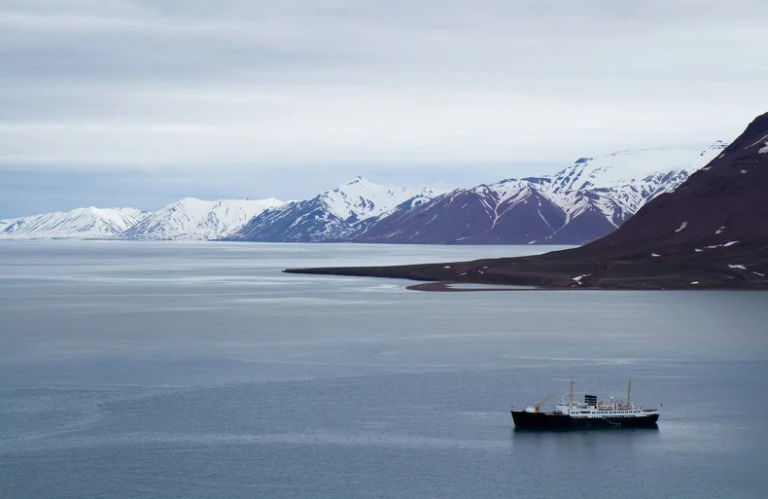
x=81, y=223
x=583, y=202
x=193, y=218
x=710, y=232
x=578, y=204
x=340, y=214
x=188, y=218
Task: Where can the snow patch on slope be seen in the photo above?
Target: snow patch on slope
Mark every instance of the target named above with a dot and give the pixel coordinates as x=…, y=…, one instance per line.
x=578, y=278
x=763, y=140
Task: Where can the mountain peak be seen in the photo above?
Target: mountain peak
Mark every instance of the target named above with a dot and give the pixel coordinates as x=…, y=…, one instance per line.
x=358, y=181
x=80, y=223
x=338, y=214
x=709, y=233
x=192, y=218
x=582, y=202
x=722, y=203
x=188, y=200
x=362, y=198
x=755, y=134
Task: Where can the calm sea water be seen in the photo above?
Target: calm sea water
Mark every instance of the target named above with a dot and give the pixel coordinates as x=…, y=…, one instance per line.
x=138, y=370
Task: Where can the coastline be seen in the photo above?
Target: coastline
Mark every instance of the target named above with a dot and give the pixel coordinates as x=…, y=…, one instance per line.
x=447, y=287
x=577, y=270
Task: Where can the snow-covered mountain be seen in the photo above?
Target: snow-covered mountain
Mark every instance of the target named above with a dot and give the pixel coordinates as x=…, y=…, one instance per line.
x=339, y=214
x=81, y=223
x=192, y=218
x=585, y=201
x=631, y=177
x=618, y=168
x=580, y=203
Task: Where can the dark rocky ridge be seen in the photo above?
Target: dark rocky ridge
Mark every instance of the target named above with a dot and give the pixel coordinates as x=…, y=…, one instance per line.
x=712, y=232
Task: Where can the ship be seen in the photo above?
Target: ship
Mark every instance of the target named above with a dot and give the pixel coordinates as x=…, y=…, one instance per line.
x=590, y=414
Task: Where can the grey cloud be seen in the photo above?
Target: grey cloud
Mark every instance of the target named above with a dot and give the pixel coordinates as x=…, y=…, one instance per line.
x=399, y=87
x=252, y=40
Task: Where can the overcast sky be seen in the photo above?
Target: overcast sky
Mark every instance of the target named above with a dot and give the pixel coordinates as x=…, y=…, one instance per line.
x=141, y=102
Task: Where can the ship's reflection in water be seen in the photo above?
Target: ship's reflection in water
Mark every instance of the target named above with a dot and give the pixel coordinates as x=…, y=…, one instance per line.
x=534, y=431
x=576, y=442
x=605, y=448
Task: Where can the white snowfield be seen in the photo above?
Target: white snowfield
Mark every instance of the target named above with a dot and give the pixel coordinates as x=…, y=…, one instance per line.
x=81, y=223
x=195, y=219
x=617, y=185
x=632, y=178
x=628, y=167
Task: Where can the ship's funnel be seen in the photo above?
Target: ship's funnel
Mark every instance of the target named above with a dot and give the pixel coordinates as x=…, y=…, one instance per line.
x=590, y=399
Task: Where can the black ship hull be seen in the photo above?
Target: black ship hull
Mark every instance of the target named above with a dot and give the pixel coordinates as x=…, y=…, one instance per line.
x=552, y=421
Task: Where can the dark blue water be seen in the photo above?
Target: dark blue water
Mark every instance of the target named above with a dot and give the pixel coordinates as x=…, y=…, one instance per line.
x=199, y=370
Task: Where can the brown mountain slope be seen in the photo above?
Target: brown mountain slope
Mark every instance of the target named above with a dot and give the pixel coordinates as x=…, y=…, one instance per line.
x=725, y=201
x=475, y=216
x=712, y=232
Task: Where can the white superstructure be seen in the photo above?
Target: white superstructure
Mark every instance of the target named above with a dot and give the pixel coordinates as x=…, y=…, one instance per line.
x=612, y=409
x=592, y=408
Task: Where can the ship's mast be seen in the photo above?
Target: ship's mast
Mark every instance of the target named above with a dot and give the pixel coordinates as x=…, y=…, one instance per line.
x=570, y=394
x=629, y=390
